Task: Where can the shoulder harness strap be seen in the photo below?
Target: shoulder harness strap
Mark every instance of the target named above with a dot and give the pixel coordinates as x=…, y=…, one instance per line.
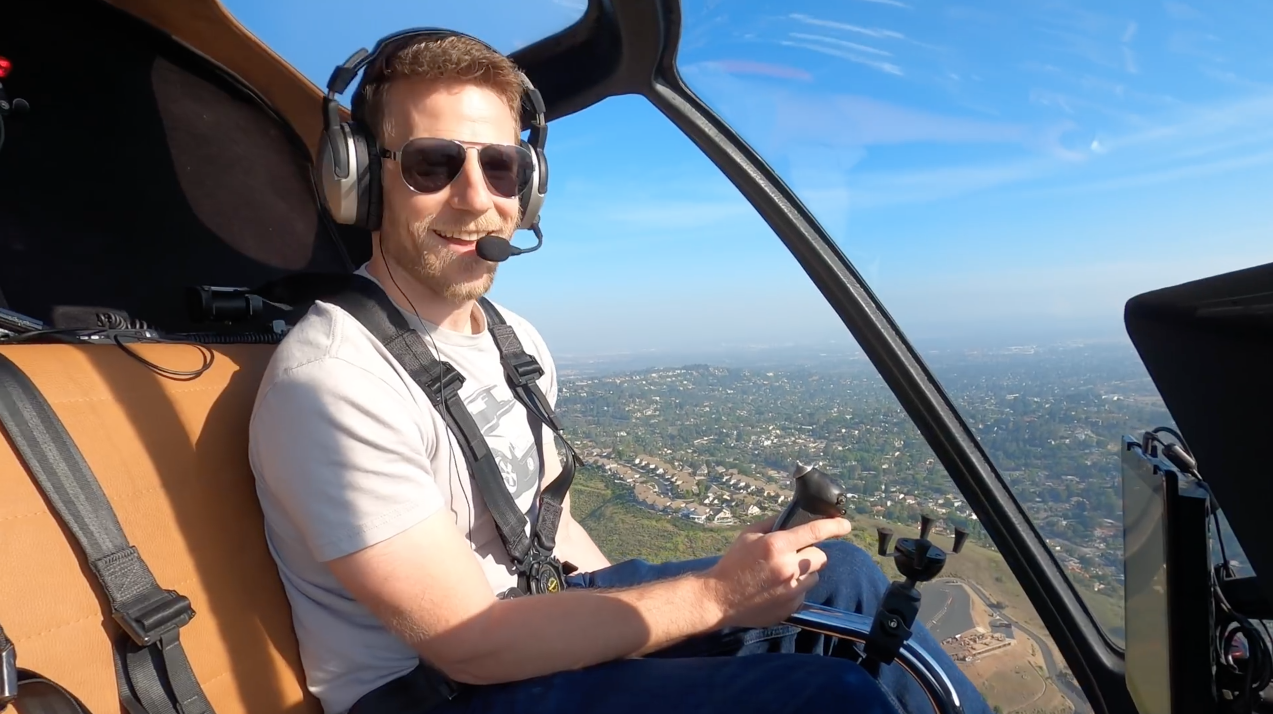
x=369, y=304
x=152, y=671
x=523, y=371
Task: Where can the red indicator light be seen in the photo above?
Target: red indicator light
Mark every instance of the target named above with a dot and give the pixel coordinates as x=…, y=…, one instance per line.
x=5, y=66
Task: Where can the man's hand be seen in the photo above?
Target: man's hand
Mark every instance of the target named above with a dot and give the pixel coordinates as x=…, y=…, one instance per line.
x=763, y=577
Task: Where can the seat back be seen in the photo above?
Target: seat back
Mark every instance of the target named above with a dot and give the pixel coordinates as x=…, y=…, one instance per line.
x=171, y=456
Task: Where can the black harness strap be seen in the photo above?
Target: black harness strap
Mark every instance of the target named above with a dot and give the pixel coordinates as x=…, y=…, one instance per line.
x=441, y=382
x=538, y=570
x=152, y=671
x=522, y=372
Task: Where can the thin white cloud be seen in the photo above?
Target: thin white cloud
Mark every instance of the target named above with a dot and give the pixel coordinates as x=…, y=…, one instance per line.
x=894, y=3
x=1200, y=122
x=1155, y=177
x=840, y=43
x=1231, y=78
x=1084, y=46
x=1129, y=61
x=1051, y=99
x=868, y=31
x=1208, y=133
x=1130, y=32
x=887, y=67
x=1181, y=11
x=877, y=189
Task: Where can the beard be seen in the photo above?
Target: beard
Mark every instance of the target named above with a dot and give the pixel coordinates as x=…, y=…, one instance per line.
x=429, y=260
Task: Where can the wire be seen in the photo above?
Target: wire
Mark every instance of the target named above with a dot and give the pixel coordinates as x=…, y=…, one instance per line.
x=454, y=465
x=182, y=375
x=89, y=336
x=1257, y=670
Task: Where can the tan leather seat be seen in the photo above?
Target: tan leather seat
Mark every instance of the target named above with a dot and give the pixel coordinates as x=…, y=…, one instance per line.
x=172, y=458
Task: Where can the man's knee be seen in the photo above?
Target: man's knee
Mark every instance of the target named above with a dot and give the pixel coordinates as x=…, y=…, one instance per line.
x=852, y=559
x=850, y=580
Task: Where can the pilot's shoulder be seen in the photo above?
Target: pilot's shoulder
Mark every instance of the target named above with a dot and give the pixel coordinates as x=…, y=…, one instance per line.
x=328, y=339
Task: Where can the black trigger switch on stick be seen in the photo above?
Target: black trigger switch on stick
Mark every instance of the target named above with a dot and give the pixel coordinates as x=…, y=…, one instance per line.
x=816, y=495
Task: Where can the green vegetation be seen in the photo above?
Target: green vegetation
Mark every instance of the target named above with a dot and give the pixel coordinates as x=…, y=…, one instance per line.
x=623, y=530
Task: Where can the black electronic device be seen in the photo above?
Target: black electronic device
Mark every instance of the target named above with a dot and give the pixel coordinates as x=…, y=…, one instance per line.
x=15, y=323
x=1170, y=617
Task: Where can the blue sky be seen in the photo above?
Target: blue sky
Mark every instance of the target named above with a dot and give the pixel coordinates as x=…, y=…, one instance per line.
x=1002, y=170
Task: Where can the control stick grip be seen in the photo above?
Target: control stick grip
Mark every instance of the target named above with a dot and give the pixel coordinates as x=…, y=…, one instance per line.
x=816, y=495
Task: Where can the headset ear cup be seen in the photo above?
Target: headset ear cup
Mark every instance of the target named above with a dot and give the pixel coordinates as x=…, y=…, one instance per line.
x=361, y=164
x=336, y=168
x=375, y=193
x=532, y=198
x=371, y=200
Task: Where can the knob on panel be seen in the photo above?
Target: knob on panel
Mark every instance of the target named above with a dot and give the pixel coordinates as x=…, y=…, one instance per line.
x=885, y=536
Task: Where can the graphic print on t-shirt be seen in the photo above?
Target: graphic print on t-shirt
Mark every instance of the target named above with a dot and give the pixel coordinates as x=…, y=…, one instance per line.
x=518, y=462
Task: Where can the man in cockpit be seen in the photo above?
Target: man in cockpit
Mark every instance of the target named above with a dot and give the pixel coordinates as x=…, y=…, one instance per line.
x=393, y=564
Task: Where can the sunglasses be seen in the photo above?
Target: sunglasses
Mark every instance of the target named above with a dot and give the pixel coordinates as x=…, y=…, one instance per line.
x=430, y=165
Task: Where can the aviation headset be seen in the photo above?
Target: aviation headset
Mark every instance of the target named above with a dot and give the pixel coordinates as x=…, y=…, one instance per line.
x=349, y=156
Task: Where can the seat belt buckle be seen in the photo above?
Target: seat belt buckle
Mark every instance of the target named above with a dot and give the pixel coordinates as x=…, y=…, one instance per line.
x=523, y=369
x=8, y=675
x=147, y=619
x=446, y=381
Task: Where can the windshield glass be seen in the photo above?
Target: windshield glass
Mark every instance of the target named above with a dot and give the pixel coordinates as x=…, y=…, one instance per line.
x=1006, y=175
x=316, y=35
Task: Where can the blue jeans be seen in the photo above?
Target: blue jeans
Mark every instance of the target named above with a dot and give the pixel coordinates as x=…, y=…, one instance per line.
x=775, y=670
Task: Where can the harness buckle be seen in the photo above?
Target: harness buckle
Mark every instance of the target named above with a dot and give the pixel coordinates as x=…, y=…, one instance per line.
x=8, y=675
x=544, y=574
x=147, y=619
x=448, y=382
x=522, y=369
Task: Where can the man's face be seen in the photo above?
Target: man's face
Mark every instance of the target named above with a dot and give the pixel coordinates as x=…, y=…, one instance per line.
x=433, y=236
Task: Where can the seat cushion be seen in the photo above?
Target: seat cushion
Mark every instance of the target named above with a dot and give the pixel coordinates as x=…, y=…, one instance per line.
x=171, y=456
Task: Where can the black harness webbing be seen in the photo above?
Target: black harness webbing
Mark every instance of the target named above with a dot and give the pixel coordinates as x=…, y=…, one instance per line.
x=152, y=671
x=532, y=553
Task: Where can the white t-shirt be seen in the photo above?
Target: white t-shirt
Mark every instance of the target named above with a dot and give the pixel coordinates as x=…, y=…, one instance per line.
x=348, y=451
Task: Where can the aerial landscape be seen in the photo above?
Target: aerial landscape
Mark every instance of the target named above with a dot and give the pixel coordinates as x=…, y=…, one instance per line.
x=679, y=458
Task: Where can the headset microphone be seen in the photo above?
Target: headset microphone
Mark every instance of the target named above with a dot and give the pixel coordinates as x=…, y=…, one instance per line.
x=497, y=249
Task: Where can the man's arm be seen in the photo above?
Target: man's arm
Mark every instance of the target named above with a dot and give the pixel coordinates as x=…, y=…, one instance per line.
x=428, y=588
